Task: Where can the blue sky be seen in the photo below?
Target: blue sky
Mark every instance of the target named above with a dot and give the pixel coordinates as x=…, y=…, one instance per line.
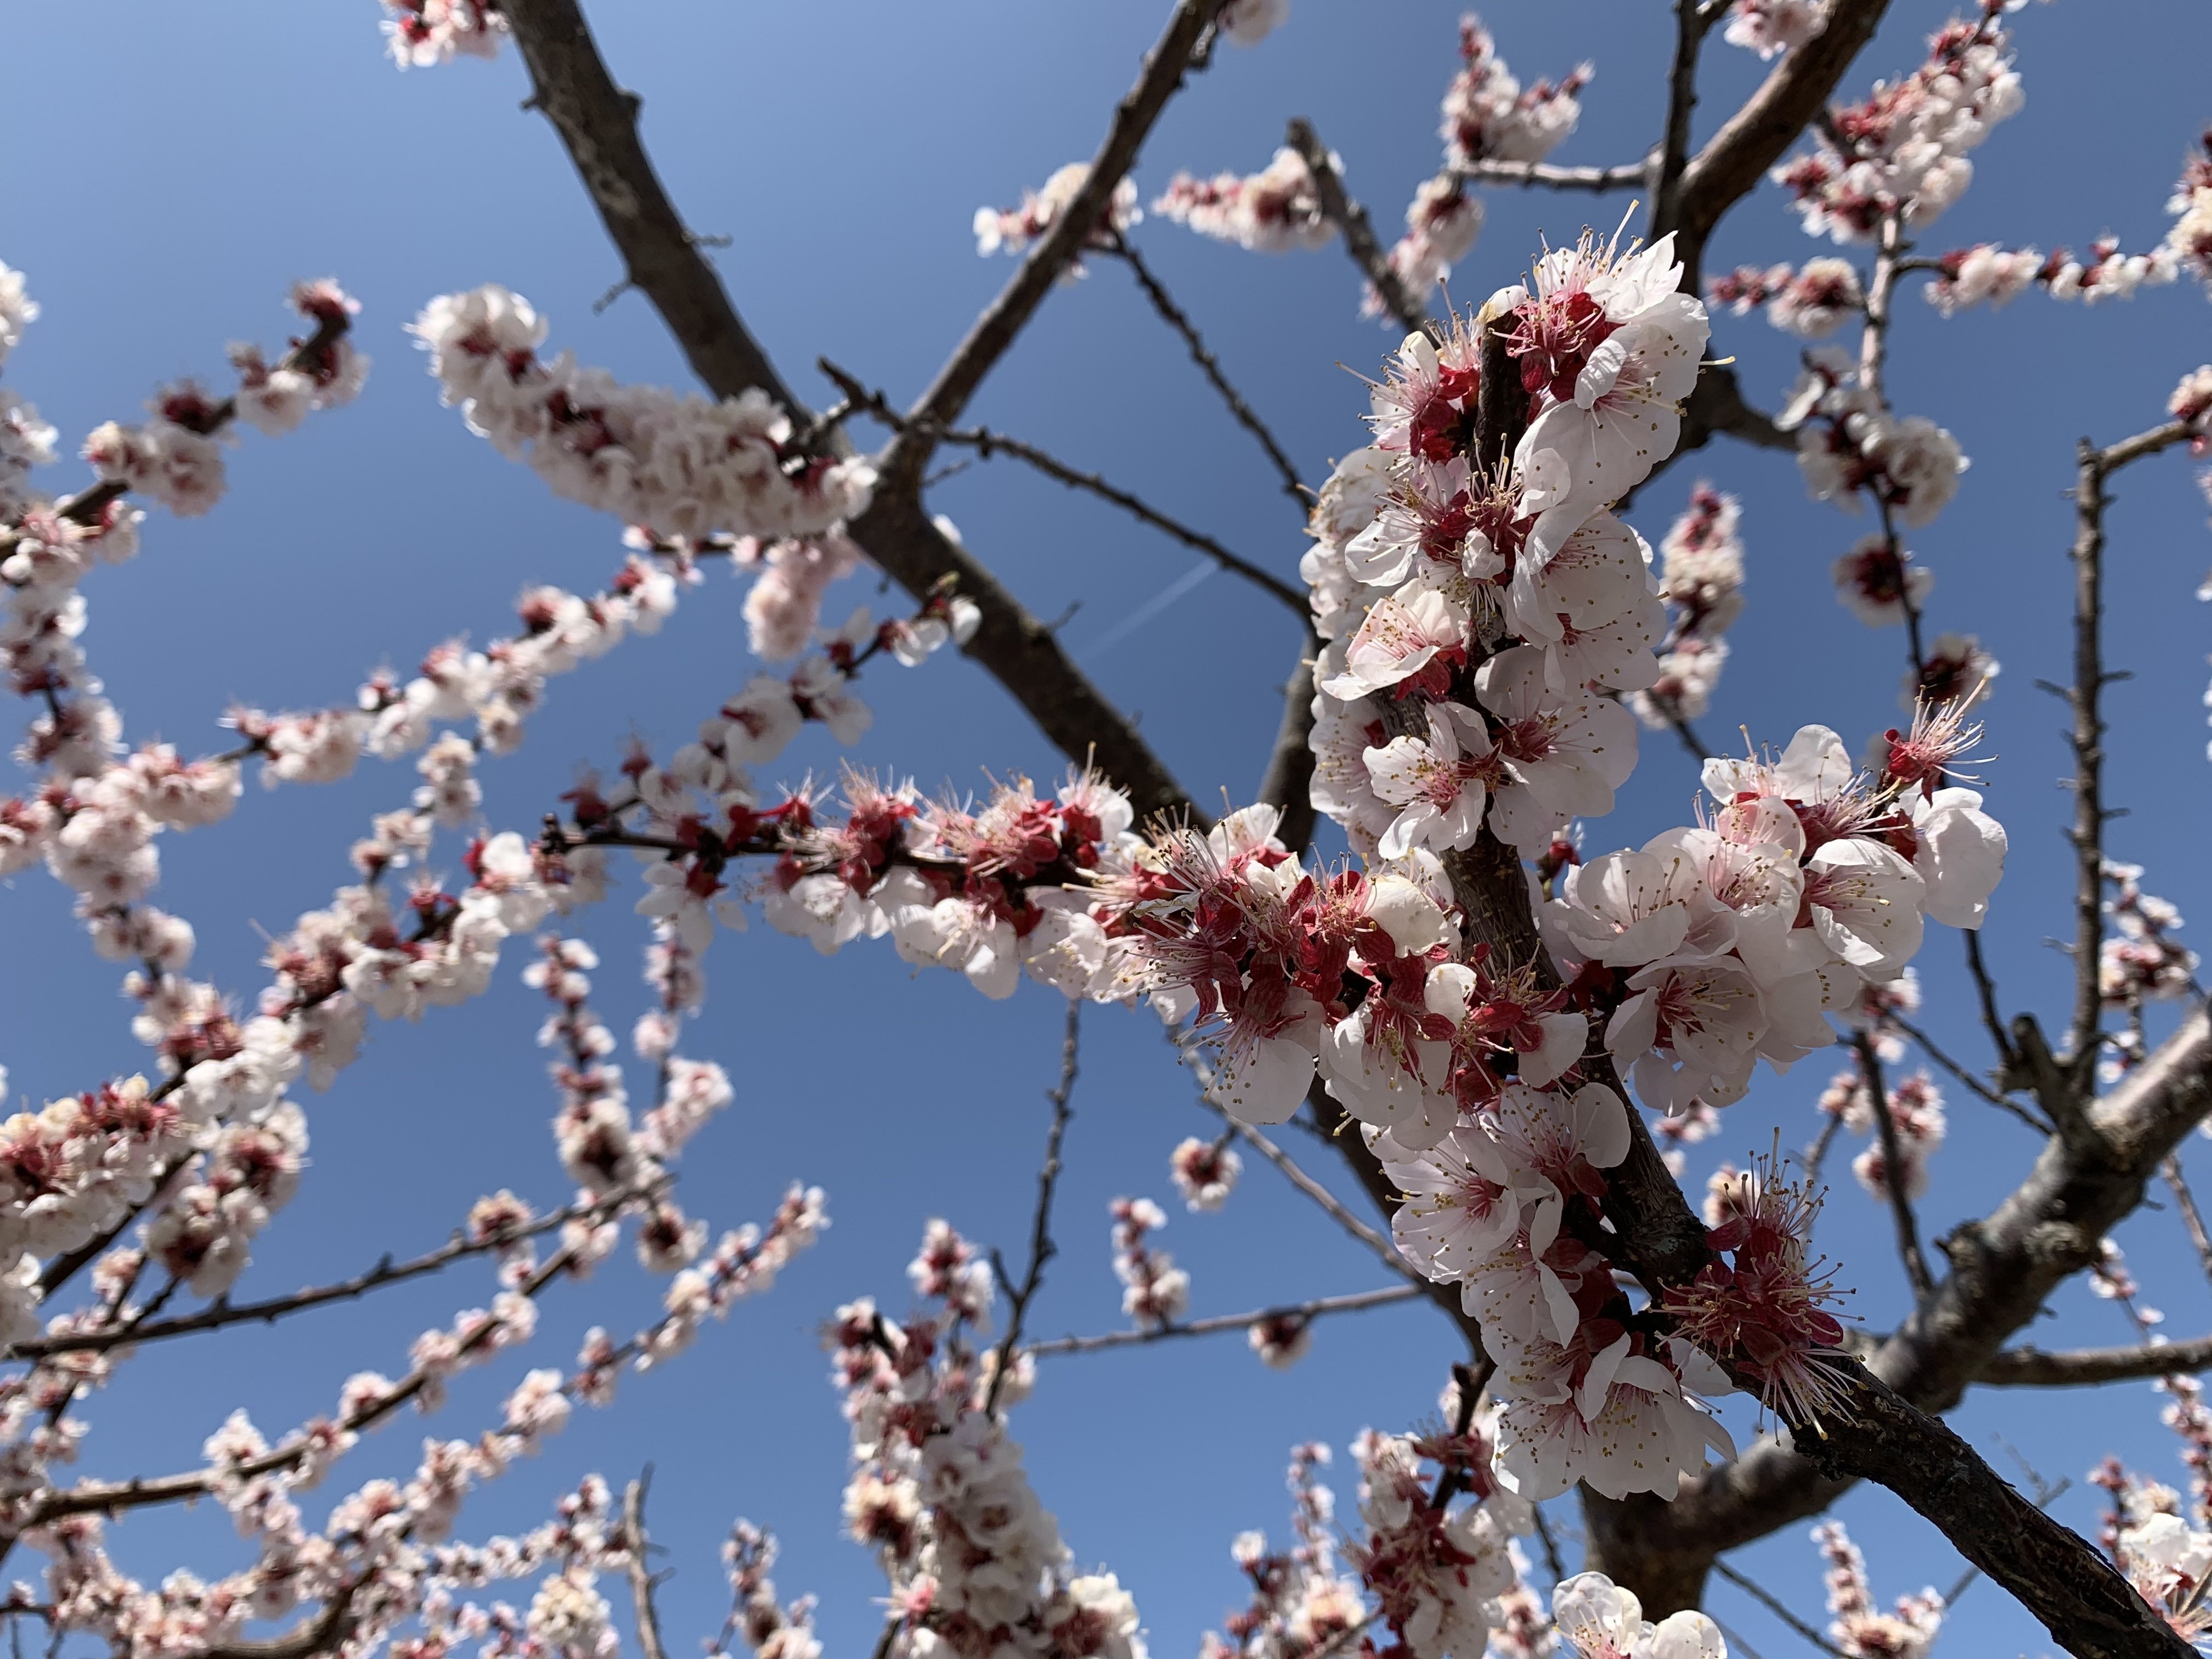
x=189, y=169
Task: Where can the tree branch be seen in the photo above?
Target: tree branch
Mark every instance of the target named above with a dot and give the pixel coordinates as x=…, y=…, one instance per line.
x=1287, y=783
x=1775, y=1606
x=2191, y=1217
x=2073, y=1368
x=1349, y=217
x=1690, y=26
x=640, y=1574
x=1042, y=1249
x=1750, y=141
x=1986, y=992
x=597, y=124
x=1927, y=1045
x=1174, y=316
x=2087, y=740
x=1892, y=1156
x=987, y=443
x=222, y=1312
x=995, y=331
x=1315, y=1309
x=1634, y=175
x=2003, y=1269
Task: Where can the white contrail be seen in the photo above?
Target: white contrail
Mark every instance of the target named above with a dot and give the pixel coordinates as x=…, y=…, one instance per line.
x=1151, y=608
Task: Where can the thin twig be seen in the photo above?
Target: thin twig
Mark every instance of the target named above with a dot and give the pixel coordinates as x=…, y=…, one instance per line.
x=1928, y=1047
x=1384, y=1250
x=221, y=1313
x=1551, y=1561
x=1985, y=993
x=1733, y=1637
x=1176, y=319
x=1893, y=1155
x=987, y=443
x=1817, y=1153
x=1320, y=1307
x=2191, y=1217
x=1042, y=1249
x=1766, y=1599
x=1349, y=217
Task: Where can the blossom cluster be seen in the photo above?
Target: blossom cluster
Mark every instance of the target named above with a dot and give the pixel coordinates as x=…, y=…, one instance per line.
x=679, y=465
x=770, y=1628
x=1989, y=271
x=1770, y=28
x=422, y=34
x=1811, y=300
x=989, y=892
x=1489, y=116
x=1848, y=444
x=1701, y=579
x=1859, y=1628
x=176, y=456
x=1301, y=1602
x=1011, y=231
x=1901, y=155
x=938, y=1492
x=1205, y=1171
x=214, y=1136
x=1597, y=1618
x=1475, y=620
x=1916, y=1114
x=1155, y=1293
x=1270, y=211
x=2140, y=961
x=2162, y=1542
x=385, y=1556
x=1436, y=1572
x=1433, y=1557
x=492, y=691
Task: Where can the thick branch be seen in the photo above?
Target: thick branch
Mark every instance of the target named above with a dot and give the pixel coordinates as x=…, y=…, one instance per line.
x=2003, y=1269
x=1350, y=218
x=2073, y=1368
x=1690, y=26
x=634, y=1544
x=1751, y=140
x=597, y=123
x=995, y=331
x=1287, y=783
